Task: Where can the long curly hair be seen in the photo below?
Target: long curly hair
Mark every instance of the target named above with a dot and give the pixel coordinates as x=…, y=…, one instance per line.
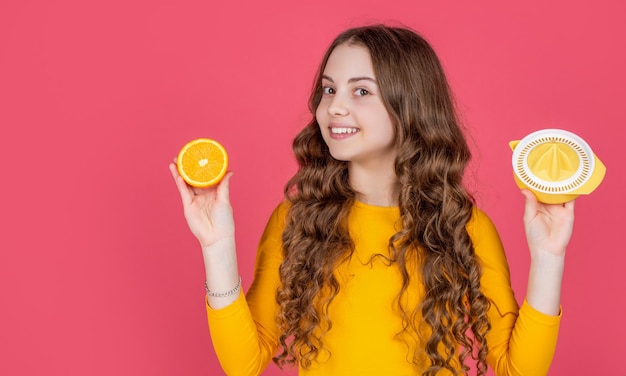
x=434, y=209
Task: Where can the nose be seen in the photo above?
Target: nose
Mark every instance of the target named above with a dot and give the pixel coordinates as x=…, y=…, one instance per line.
x=338, y=106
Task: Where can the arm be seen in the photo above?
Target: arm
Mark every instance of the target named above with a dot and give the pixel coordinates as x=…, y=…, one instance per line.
x=521, y=341
x=209, y=216
x=548, y=230
x=243, y=329
x=245, y=334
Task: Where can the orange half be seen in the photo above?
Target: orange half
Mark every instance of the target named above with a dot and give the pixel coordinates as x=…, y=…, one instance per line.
x=202, y=162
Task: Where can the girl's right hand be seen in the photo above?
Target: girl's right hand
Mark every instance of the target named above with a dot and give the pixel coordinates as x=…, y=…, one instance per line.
x=208, y=211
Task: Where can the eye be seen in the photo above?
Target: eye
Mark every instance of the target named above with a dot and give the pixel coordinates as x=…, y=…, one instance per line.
x=327, y=90
x=361, y=92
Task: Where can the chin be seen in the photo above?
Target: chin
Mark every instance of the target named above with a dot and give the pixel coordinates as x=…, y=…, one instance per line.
x=338, y=155
x=339, y=158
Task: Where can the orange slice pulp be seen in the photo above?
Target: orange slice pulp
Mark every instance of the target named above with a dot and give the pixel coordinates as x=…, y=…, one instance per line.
x=202, y=162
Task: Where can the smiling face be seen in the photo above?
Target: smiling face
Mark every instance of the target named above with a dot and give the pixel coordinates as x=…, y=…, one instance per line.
x=351, y=114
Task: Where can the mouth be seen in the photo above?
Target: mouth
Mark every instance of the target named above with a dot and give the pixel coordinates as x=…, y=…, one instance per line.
x=342, y=130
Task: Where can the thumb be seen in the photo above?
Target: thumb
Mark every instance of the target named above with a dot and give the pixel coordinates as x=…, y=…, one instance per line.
x=223, y=189
x=531, y=204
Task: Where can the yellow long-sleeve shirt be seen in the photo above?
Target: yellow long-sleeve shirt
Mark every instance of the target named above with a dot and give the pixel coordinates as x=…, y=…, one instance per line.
x=363, y=339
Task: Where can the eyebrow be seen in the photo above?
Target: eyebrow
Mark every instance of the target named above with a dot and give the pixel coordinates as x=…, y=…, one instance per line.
x=351, y=80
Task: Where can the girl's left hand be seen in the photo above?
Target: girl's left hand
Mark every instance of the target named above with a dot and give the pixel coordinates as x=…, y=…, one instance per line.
x=548, y=226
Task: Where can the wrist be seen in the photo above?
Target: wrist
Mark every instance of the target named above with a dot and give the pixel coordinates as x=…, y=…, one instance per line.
x=223, y=245
x=234, y=291
x=548, y=257
x=547, y=267
x=212, y=241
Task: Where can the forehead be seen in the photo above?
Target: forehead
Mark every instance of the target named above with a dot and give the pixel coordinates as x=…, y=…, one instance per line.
x=349, y=60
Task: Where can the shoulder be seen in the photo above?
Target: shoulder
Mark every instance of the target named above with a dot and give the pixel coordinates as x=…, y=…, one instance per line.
x=495, y=274
x=481, y=228
x=485, y=238
x=279, y=214
x=276, y=222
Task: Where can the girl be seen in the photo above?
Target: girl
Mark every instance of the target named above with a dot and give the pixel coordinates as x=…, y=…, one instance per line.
x=378, y=261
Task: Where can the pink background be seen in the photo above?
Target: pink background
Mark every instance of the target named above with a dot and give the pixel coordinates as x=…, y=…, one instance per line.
x=99, y=274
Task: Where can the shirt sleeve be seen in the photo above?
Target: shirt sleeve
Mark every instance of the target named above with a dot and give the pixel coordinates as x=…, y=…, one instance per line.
x=522, y=340
x=245, y=334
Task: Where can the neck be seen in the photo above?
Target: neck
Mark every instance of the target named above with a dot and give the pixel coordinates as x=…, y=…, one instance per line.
x=378, y=187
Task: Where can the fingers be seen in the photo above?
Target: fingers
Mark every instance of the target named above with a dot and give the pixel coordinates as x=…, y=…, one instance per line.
x=531, y=200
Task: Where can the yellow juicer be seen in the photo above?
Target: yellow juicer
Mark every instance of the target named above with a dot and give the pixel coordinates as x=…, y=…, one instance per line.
x=556, y=165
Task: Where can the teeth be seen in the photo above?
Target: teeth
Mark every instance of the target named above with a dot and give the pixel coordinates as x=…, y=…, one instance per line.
x=336, y=130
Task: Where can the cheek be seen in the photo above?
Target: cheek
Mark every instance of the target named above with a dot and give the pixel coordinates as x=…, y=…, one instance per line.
x=319, y=117
x=387, y=128
x=319, y=112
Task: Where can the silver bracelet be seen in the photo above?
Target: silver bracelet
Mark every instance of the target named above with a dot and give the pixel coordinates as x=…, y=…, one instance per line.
x=223, y=294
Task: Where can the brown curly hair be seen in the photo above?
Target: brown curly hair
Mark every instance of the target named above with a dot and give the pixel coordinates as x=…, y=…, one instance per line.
x=434, y=209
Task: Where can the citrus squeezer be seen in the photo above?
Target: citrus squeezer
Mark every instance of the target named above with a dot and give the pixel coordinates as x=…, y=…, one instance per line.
x=556, y=165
